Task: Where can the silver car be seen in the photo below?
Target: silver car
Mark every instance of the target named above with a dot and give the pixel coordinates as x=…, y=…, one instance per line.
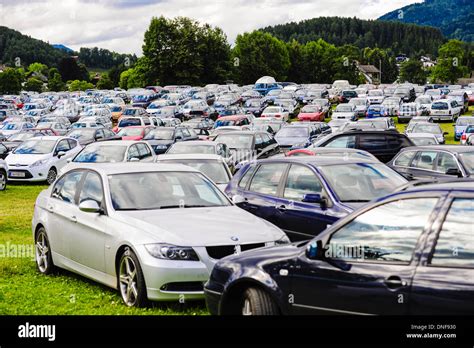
x=152, y=231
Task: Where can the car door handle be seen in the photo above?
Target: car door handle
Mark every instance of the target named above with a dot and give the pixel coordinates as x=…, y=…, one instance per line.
x=395, y=282
x=281, y=208
x=50, y=209
x=73, y=219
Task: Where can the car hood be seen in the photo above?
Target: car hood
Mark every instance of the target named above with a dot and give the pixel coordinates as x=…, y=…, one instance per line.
x=159, y=142
x=291, y=140
x=342, y=114
x=13, y=159
x=202, y=226
x=267, y=255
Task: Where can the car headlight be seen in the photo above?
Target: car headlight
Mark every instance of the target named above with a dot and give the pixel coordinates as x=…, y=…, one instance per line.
x=172, y=252
x=283, y=240
x=39, y=163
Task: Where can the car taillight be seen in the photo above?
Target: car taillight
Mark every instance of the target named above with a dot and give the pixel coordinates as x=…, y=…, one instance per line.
x=115, y=129
x=464, y=137
x=277, y=115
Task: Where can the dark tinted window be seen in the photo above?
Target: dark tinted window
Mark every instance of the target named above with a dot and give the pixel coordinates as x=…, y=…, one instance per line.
x=455, y=246
x=370, y=142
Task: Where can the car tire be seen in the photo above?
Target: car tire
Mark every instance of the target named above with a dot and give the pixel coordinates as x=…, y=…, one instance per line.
x=43, y=253
x=130, y=280
x=51, y=177
x=258, y=302
x=3, y=180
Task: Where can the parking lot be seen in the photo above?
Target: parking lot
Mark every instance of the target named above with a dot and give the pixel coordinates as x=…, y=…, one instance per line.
x=241, y=146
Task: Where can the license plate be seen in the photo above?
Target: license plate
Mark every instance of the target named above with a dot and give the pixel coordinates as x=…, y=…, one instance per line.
x=17, y=175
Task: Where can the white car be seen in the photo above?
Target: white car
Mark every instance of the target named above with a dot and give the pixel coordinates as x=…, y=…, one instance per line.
x=375, y=96
x=3, y=175
x=445, y=109
x=41, y=158
x=345, y=112
x=154, y=232
x=15, y=127
x=423, y=139
x=213, y=166
x=276, y=112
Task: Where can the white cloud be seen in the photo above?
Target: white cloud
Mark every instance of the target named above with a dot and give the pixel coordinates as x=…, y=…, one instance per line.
x=120, y=25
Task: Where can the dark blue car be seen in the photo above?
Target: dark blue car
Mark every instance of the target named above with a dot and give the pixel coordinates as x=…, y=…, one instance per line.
x=305, y=195
x=411, y=252
x=301, y=134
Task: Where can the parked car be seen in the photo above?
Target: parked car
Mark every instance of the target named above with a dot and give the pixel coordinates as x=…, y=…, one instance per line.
x=345, y=111
x=347, y=95
x=236, y=120
x=379, y=123
x=461, y=124
x=86, y=136
x=361, y=105
x=300, y=135
x=162, y=138
x=15, y=127
x=311, y=113
x=134, y=132
x=466, y=136
x=303, y=195
x=276, y=112
x=131, y=122
x=445, y=110
x=407, y=111
x=383, y=145
x=428, y=162
x=392, y=105
x=254, y=106
x=375, y=96
x=406, y=93
x=213, y=166
x=400, y=246
x=427, y=127
x=115, y=152
x=201, y=147
x=41, y=158
x=376, y=110
x=149, y=254
x=3, y=175
x=424, y=103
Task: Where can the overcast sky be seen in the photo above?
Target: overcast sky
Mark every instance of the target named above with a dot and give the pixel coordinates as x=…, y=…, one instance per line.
x=119, y=25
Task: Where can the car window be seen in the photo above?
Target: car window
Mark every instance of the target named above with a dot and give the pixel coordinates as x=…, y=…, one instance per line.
x=267, y=178
x=92, y=189
x=143, y=151
x=404, y=159
x=246, y=177
x=455, y=245
x=186, y=133
x=258, y=141
x=133, y=152
x=387, y=233
x=445, y=161
x=66, y=187
x=425, y=160
x=342, y=142
x=99, y=134
x=300, y=182
x=63, y=146
x=370, y=142
x=72, y=143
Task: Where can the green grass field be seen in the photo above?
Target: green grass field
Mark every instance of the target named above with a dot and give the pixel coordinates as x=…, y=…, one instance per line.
x=24, y=291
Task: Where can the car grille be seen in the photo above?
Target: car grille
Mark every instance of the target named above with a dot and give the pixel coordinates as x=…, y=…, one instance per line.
x=27, y=174
x=219, y=252
x=183, y=287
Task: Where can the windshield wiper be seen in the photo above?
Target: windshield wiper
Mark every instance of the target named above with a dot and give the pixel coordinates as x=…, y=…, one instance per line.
x=356, y=201
x=182, y=206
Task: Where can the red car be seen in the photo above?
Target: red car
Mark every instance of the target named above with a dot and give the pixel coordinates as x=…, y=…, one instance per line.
x=311, y=113
x=134, y=132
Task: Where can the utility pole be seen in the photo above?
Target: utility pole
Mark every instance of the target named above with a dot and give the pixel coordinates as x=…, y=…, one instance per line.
x=380, y=68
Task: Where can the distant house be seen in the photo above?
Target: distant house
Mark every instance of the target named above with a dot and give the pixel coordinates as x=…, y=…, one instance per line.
x=370, y=72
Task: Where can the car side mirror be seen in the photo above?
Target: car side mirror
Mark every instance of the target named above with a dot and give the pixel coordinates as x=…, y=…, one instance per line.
x=90, y=206
x=61, y=154
x=134, y=159
x=238, y=199
x=454, y=172
x=315, y=198
x=315, y=250
x=445, y=133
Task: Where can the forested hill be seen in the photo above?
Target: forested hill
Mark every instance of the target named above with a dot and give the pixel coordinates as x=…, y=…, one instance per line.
x=14, y=44
x=455, y=18
x=400, y=37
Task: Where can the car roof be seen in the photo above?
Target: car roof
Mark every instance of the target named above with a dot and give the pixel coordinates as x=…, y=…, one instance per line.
x=118, y=143
x=451, y=148
x=196, y=142
x=124, y=168
x=454, y=184
x=321, y=160
x=193, y=156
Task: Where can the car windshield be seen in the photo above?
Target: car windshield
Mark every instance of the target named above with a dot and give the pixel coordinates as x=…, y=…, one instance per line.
x=128, y=122
x=11, y=126
x=439, y=106
x=99, y=153
x=309, y=109
x=224, y=123
x=236, y=141
x=467, y=158
x=293, y=132
x=361, y=182
x=426, y=128
x=344, y=108
x=215, y=170
x=82, y=134
x=116, y=109
x=163, y=190
x=160, y=134
x=129, y=112
x=35, y=147
x=130, y=132
x=183, y=148
x=464, y=121
x=423, y=100
x=375, y=93
x=21, y=136
x=272, y=110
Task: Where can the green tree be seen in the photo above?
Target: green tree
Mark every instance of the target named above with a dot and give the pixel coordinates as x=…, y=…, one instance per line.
x=38, y=68
x=257, y=54
x=134, y=77
x=381, y=58
x=105, y=82
x=78, y=85
x=55, y=82
x=319, y=59
x=412, y=71
x=34, y=85
x=296, y=72
x=70, y=70
x=449, y=67
x=10, y=81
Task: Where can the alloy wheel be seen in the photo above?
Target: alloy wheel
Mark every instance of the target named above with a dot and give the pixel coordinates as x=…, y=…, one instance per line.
x=3, y=181
x=128, y=281
x=42, y=252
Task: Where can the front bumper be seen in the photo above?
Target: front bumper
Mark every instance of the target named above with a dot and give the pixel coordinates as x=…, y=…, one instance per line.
x=30, y=174
x=213, y=299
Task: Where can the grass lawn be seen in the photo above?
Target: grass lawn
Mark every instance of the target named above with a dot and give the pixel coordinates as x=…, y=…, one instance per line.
x=23, y=291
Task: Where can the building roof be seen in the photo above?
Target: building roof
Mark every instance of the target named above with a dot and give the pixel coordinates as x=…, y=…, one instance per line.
x=369, y=69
